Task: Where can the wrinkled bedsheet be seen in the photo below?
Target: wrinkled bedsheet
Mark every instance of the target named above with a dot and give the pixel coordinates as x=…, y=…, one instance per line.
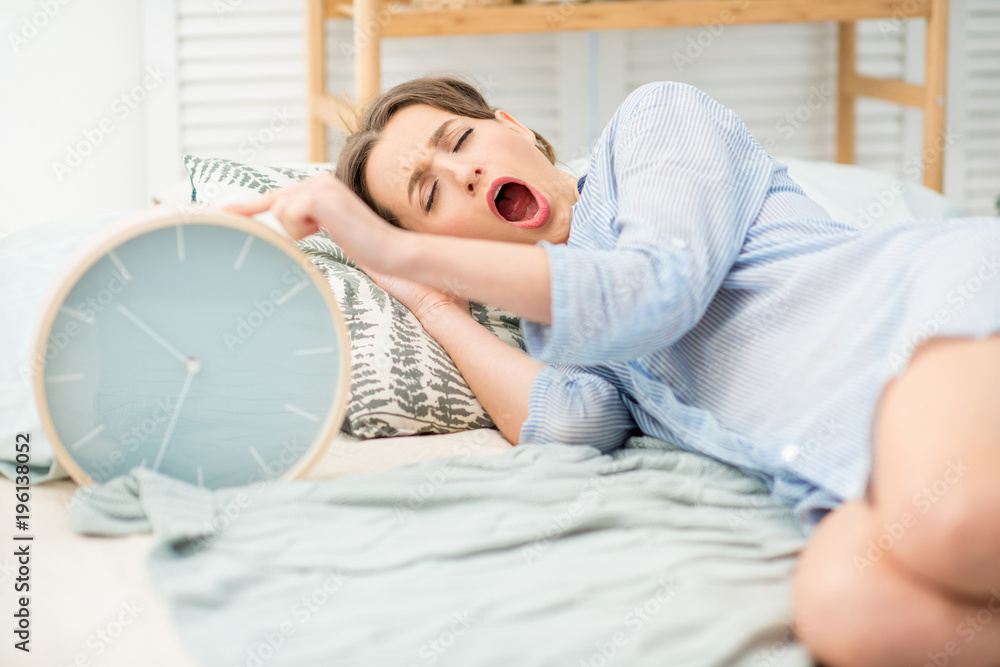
x=540, y=555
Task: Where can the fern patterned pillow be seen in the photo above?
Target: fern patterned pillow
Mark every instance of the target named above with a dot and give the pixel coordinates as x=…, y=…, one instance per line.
x=402, y=380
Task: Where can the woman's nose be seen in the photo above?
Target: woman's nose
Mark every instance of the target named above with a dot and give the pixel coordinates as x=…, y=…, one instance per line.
x=473, y=180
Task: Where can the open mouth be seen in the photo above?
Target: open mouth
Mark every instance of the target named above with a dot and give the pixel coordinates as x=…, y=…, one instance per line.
x=517, y=203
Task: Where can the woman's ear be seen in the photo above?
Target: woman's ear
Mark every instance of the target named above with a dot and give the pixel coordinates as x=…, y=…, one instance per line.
x=511, y=122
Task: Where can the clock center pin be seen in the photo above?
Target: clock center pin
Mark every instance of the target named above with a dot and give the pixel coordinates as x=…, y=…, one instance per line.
x=192, y=365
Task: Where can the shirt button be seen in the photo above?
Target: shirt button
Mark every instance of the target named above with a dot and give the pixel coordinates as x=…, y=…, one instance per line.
x=789, y=453
x=680, y=243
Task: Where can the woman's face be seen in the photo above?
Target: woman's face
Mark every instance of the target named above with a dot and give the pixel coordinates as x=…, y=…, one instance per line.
x=476, y=178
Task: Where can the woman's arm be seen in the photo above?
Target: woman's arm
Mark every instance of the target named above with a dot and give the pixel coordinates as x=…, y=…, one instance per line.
x=512, y=276
x=499, y=375
x=528, y=401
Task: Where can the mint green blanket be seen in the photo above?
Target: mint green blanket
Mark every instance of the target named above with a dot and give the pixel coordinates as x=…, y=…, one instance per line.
x=544, y=555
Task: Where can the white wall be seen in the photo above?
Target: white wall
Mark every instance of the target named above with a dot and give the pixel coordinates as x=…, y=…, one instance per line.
x=65, y=66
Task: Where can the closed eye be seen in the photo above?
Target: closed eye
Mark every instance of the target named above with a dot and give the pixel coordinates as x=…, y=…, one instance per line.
x=430, y=200
x=458, y=144
x=462, y=138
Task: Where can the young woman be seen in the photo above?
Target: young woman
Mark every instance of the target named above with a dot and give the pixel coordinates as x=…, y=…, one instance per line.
x=686, y=287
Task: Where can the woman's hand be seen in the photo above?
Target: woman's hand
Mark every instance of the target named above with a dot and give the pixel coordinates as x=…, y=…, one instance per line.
x=324, y=201
x=420, y=299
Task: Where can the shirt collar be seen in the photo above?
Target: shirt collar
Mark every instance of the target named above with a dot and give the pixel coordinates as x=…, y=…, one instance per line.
x=579, y=183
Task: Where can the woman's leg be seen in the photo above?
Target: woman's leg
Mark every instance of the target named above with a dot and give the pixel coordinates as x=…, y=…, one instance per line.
x=854, y=608
x=937, y=465
x=914, y=577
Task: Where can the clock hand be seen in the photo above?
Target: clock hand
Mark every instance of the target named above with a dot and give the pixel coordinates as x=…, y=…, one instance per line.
x=192, y=366
x=155, y=336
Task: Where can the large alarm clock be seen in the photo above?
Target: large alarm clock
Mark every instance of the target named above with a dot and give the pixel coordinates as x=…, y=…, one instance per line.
x=205, y=346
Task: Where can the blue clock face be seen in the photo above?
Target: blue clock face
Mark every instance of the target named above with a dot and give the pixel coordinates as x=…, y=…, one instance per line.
x=202, y=351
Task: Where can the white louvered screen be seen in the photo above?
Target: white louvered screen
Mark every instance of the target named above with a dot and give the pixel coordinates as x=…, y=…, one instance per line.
x=981, y=183
x=242, y=75
x=781, y=80
x=241, y=72
x=240, y=84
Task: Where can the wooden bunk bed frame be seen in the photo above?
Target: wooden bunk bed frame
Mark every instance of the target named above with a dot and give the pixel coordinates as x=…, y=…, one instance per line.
x=373, y=22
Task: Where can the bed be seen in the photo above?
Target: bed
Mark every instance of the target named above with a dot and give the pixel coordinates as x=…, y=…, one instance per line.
x=451, y=548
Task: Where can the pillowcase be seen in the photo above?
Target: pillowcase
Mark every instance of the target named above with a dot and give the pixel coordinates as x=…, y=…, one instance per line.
x=402, y=381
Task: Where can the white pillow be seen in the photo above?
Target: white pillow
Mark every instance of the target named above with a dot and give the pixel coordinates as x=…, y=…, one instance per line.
x=867, y=198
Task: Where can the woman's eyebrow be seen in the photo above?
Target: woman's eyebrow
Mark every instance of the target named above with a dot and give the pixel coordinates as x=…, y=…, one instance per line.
x=432, y=143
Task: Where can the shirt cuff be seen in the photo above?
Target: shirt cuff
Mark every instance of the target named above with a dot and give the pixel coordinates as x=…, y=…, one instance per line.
x=533, y=428
x=545, y=342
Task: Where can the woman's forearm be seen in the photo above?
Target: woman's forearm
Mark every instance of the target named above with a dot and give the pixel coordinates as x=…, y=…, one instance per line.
x=499, y=375
x=511, y=276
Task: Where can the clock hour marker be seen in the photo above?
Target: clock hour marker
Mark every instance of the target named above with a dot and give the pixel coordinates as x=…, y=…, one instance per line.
x=292, y=292
x=302, y=413
x=73, y=312
x=180, y=243
x=243, y=252
x=69, y=377
x=313, y=350
x=118, y=263
x=201, y=477
x=87, y=438
x=260, y=461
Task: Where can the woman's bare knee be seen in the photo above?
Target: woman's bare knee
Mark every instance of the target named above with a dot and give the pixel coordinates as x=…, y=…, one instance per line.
x=851, y=610
x=950, y=535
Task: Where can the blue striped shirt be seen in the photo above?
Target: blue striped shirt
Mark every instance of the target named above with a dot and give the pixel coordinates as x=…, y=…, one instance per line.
x=703, y=299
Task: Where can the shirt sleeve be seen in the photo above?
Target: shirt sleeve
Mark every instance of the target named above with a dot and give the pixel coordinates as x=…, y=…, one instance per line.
x=689, y=180
x=573, y=406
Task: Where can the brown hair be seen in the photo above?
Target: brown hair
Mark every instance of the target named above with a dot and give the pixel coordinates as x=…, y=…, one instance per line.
x=441, y=92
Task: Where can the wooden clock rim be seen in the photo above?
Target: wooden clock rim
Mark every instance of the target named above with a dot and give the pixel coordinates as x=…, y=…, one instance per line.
x=134, y=225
